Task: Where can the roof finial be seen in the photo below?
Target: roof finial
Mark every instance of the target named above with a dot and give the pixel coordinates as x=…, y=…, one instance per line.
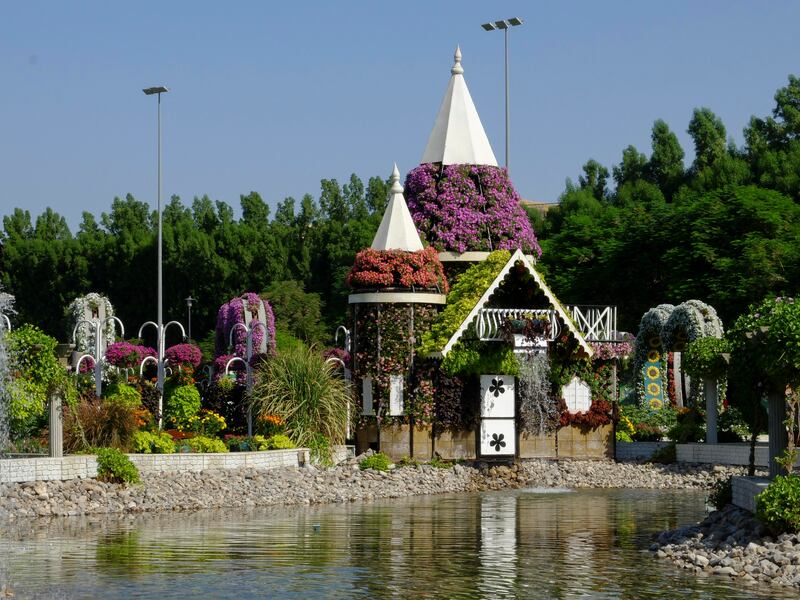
x=457, y=68
x=396, y=187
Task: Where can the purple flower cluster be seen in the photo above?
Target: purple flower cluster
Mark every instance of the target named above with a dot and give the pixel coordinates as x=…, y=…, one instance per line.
x=231, y=313
x=125, y=354
x=185, y=354
x=468, y=207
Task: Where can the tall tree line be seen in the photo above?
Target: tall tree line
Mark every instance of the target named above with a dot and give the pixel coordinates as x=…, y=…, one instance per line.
x=724, y=229
x=207, y=254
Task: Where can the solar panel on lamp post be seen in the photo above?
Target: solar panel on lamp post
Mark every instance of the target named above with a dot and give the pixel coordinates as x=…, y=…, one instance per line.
x=505, y=25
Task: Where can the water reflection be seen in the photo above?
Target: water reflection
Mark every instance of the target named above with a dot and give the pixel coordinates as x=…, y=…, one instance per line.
x=525, y=544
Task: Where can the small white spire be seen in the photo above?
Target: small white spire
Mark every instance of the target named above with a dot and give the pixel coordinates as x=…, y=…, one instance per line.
x=397, y=230
x=457, y=68
x=458, y=136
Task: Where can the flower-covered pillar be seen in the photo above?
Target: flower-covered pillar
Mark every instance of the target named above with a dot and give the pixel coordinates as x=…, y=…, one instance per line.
x=245, y=331
x=397, y=289
x=94, y=329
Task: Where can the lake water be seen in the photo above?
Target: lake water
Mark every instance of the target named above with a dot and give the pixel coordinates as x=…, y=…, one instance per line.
x=520, y=544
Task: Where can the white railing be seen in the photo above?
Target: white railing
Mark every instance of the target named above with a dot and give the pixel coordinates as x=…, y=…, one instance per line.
x=596, y=323
x=490, y=321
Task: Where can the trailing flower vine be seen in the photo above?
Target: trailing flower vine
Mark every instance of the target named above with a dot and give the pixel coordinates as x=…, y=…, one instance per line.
x=397, y=268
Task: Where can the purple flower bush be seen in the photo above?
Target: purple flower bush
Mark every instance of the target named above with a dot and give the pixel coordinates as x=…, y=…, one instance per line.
x=125, y=354
x=231, y=313
x=184, y=354
x=219, y=368
x=468, y=207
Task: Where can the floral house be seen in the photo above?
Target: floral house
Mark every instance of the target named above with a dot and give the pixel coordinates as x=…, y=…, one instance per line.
x=459, y=348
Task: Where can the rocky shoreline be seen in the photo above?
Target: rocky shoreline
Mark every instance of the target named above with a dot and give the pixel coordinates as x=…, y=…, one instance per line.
x=343, y=483
x=732, y=543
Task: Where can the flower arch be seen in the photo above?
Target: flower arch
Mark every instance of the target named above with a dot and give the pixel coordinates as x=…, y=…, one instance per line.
x=92, y=305
x=649, y=357
x=690, y=321
x=247, y=309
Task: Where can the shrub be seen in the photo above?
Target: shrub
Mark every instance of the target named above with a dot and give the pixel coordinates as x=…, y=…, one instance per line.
x=778, y=506
x=721, y=493
x=32, y=360
x=703, y=358
x=145, y=442
x=306, y=393
x=690, y=426
x=378, y=461
x=666, y=455
x=279, y=442
x=114, y=466
x=93, y=423
x=181, y=403
x=121, y=393
x=206, y=422
x=202, y=443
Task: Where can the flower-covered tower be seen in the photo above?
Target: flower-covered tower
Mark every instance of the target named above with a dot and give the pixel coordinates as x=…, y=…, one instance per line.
x=461, y=201
x=398, y=287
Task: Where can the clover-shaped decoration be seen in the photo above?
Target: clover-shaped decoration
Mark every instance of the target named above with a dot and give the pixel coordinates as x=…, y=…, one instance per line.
x=496, y=387
x=497, y=441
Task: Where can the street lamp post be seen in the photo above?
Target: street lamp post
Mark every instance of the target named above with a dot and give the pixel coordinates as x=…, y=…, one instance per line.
x=505, y=25
x=158, y=90
x=189, y=301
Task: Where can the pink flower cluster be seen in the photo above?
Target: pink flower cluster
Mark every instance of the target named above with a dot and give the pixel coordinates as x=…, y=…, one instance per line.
x=125, y=354
x=185, y=354
x=609, y=350
x=231, y=313
x=468, y=207
x=397, y=268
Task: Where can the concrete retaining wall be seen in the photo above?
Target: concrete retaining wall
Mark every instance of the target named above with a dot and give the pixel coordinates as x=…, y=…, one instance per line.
x=638, y=450
x=745, y=490
x=723, y=454
x=85, y=466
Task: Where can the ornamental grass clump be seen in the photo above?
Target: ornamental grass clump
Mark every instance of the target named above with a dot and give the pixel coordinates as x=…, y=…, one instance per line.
x=306, y=392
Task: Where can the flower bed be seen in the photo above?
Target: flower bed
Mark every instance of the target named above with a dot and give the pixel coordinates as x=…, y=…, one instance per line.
x=397, y=268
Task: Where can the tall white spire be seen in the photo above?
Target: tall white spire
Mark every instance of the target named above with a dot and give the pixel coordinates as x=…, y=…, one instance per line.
x=397, y=230
x=458, y=136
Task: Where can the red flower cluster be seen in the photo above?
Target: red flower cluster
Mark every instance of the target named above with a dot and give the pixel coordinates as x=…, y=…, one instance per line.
x=397, y=268
x=599, y=413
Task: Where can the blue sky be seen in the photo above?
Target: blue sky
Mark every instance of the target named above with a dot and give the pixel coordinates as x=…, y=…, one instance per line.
x=274, y=97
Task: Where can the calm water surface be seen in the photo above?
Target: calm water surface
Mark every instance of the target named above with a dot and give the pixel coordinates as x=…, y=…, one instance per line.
x=521, y=544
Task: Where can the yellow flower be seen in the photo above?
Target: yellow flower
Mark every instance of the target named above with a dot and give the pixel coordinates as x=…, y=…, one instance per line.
x=653, y=372
x=653, y=356
x=656, y=404
x=653, y=389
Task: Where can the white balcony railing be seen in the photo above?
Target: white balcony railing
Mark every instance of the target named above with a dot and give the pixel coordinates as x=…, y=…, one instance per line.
x=490, y=322
x=596, y=323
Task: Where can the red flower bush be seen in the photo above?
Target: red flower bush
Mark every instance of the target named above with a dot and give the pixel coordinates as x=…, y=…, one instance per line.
x=397, y=268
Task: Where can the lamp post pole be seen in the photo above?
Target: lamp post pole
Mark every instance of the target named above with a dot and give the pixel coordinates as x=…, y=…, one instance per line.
x=158, y=90
x=189, y=301
x=505, y=25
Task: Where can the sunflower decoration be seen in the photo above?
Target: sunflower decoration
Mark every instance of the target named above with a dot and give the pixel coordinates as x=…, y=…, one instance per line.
x=656, y=403
x=653, y=356
x=653, y=389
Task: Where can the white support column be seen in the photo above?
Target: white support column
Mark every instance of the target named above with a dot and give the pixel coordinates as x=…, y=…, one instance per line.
x=56, y=426
x=710, y=393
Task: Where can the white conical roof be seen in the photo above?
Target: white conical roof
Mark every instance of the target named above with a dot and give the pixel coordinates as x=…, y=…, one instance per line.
x=397, y=230
x=458, y=136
